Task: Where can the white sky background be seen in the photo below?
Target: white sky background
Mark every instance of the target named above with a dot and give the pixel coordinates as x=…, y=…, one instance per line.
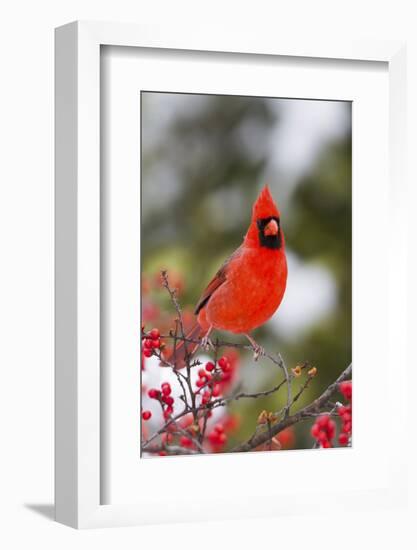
x=304, y=128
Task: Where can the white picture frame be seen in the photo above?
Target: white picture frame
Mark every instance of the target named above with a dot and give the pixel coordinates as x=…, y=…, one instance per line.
x=77, y=69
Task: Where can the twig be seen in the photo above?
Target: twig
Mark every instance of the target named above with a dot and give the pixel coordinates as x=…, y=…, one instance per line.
x=173, y=295
x=221, y=401
x=164, y=428
x=301, y=390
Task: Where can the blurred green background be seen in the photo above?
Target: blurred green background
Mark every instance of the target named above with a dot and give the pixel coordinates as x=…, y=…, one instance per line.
x=204, y=160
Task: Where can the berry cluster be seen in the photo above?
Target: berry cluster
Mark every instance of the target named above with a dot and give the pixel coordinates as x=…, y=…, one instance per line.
x=345, y=413
x=323, y=431
x=217, y=437
x=188, y=429
x=214, y=378
x=151, y=341
x=204, y=377
x=164, y=397
x=345, y=389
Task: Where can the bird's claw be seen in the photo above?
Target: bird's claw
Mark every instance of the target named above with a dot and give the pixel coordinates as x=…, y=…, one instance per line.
x=206, y=343
x=258, y=351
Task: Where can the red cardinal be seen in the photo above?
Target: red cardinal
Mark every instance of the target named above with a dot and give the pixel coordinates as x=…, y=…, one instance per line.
x=249, y=286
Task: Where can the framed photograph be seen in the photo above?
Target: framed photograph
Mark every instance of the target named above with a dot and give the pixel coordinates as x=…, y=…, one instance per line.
x=222, y=209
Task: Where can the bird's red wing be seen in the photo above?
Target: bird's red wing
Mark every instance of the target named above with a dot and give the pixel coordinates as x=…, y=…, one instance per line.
x=217, y=281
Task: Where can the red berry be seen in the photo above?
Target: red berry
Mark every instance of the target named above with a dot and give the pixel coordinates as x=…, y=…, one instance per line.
x=162, y=453
x=217, y=437
x=185, y=441
x=331, y=429
x=222, y=438
x=224, y=364
x=322, y=436
x=156, y=343
x=167, y=412
x=326, y=444
x=166, y=388
x=347, y=417
x=206, y=397
x=323, y=421
x=168, y=399
x=216, y=390
x=213, y=437
x=200, y=383
x=153, y=393
x=202, y=373
x=146, y=415
x=347, y=427
x=154, y=334
x=219, y=428
x=210, y=366
x=147, y=344
x=345, y=389
x=343, y=439
x=147, y=352
x=315, y=429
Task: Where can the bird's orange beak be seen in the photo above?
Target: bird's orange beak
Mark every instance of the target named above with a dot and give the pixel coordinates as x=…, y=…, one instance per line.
x=271, y=228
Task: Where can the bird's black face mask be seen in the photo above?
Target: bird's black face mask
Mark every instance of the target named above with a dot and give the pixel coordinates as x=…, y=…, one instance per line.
x=269, y=232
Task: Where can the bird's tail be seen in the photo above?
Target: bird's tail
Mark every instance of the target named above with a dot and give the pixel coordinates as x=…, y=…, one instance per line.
x=177, y=357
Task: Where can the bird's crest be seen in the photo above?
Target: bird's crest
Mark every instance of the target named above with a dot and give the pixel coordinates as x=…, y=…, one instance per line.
x=265, y=206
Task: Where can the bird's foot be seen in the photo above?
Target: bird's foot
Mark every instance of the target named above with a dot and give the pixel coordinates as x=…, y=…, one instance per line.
x=206, y=343
x=258, y=351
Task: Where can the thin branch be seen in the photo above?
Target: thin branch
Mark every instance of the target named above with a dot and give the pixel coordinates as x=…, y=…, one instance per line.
x=183, y=432
x=315, y=407
x=173, y=295
x=164, y=428
x=301, y=390
x=221, y=401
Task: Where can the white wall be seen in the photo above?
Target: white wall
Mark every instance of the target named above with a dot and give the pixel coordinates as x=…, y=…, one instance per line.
x=26, y=269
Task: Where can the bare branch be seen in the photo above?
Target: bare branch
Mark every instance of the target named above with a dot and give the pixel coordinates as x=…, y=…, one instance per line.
x=314, y=407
